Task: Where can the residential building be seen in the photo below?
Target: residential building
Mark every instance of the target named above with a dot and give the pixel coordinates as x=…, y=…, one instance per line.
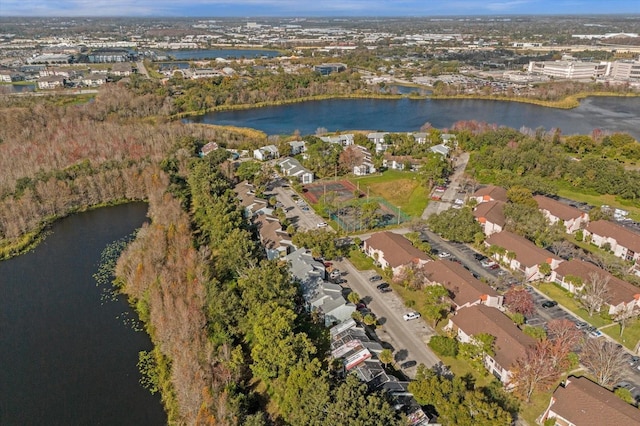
x=510, y=342
x=248, y=199
x=292, y=168
x=625, y=70
x=521, y=254
x=464, y=289
x=109, y=55
x=573, y=274
x=6, y=77
x=393, y=251
x=378, y=138
x=265, y=153
x=297, y=147
x=51, y=82
x=420, y=137
x=93, y=80
x=580, y=402
x=490, y=193
x=490, y=215
x=401, y=162
x=275, y=241
x=366, y=165
x=122, y=69
x=208, y=148
x=344, y=140
x=441, y=149
x=624, y=243
x=556, y=212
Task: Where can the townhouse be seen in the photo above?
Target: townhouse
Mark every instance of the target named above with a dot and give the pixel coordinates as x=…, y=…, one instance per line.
x=490, y=193
x=556, y=212
x=490, y=215
x=393, y=251
x=623, y=243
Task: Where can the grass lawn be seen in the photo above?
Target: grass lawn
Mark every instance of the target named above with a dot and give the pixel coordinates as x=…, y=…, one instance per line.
x=564, y=298
x=629, y=338
x=399, y=188
x=532, y=410
x=361, y=261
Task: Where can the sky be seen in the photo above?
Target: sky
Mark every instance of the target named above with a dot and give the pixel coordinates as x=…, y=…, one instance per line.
x=246, y=8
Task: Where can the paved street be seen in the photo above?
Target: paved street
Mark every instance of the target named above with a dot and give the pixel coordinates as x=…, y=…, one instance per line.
x=408, y=338
x=450, y=194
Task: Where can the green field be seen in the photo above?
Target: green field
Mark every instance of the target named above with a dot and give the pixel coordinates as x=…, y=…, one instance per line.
x=399, y=188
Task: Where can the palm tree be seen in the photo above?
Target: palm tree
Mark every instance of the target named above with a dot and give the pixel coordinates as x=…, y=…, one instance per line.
x=386, y=357
x=353, y=297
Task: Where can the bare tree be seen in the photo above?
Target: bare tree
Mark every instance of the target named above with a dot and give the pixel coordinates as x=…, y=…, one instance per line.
x=563, y=336
x=625, y=316
x=563, y=249
x=604, y=359
x=595, y=292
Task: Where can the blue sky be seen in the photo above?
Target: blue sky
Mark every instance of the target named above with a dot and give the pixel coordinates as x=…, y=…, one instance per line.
x=242, y=8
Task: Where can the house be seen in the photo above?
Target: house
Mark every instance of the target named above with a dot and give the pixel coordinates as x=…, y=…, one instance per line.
x=580, y=402
x=265, y=153
x=6, y=77
x=378, y=138
x=122, y=69
x=51, y=82
x=248, y=199
x=464, y=289
x=521, y=254
x=297, y=147
x=510, y=342
x=441, y=149
x=93, y=80
x=344, y=140
x=449, y=140
x=490, y=215
x=572, y=275
x=420, y=137
x=557, y=212
x=292, y=168
x=623, y=243
x=490, y=193
x=366, y=164
x=393, y=251
x=274, y=239
x=208, y=148
x=401, y=162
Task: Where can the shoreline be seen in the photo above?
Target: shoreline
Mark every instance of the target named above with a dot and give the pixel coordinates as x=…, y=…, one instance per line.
x=568, y=102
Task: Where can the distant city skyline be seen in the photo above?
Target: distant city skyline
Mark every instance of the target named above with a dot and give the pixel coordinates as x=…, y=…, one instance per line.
x=302, y=8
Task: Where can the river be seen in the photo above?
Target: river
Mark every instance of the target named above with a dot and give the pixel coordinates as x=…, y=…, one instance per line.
x=67, y=354
x=404, y=115
x=200, y=54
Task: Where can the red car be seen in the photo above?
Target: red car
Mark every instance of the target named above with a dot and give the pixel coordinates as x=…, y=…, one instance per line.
x=328, y=264
x=495, y=266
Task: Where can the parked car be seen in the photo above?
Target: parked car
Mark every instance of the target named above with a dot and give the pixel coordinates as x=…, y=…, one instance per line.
x=335, y=274
x=633, y=360
x=328, y=264
x=339, y=281
x=488, y=263
x=549, y=304
x=581, y=325
x=382, y=285
x=595, y=334
x=408, y=364
x=375, y=278
x=411, y=316
x=444, y=255
x=479, y=257
x=386, y=290
x=322, y=225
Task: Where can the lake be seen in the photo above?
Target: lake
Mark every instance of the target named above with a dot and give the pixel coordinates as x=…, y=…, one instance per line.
x=200, y=54
x=404, y=115
x=68, y=354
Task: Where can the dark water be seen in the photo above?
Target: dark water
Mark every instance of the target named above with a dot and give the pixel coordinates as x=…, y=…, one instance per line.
x=221, y=53
x=399, y=115
x=66, y=355
x=162, y=66
x=18, y=88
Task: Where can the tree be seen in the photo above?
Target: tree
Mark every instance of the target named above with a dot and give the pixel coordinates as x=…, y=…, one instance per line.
x=436, y=305
x=625, y=316
x=455, y=224
x=534, y=371
x=521, y=195
x=519, y=300
x=369, y=319
x=445, y=346
x=544, y=268
x=475, y=351
x=349, y=158
x=595, y=292
x=434, y=170
x=247, y=170
x=386, y=356
x=353, y=297
x=563, y=334
x=625, y=395
x=604, y=360
x=563, y=249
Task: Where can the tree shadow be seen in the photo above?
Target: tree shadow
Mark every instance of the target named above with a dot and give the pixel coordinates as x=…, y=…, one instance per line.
x=401, y=355
x=367, y=299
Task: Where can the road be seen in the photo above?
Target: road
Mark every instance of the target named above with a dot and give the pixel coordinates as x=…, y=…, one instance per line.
x=450, y=194
x=142, y=69
x=408, y=338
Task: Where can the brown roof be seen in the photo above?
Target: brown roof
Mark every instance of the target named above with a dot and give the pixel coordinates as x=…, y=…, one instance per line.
x=270, y=231
x=396, y=248
x=527, y=253
x=619, y=290
x=510, y=344
x=622, y=235
x=463, y=286
x=584, y=403
x=557, y=209
x=492, y=211
x=495, y=192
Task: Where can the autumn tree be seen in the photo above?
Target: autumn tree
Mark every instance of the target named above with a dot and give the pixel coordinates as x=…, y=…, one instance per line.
x=595, y=292
x=604, y=359
x=349, y=158
x=564, y=337
x=534, y=371
x=517, y=299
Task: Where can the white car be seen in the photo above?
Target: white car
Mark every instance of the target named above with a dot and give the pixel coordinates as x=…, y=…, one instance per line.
x=411, y=316
x=444, y=255
x=322, y=225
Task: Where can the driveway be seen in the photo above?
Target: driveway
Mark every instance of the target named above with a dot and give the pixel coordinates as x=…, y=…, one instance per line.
x=408, y=338
x=451, y=193
x=303, y=219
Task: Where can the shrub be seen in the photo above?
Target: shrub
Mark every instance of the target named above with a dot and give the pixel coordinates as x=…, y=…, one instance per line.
x=444, y=346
